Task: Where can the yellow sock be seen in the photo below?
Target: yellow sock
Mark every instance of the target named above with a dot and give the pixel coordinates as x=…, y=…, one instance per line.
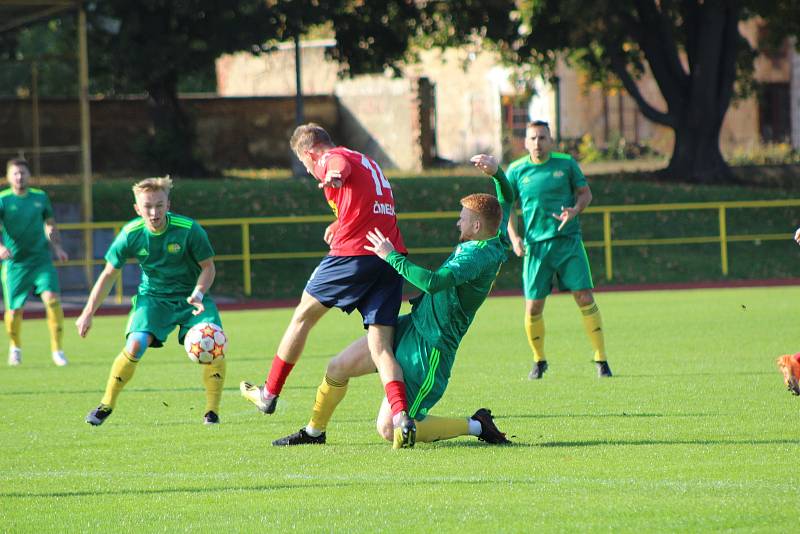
x=121, y=373
x=55, y=323
x=14, y=327
x=534, y=327
x=436, y=428
x=214, y=380
x=329, y=394
x=593, y=324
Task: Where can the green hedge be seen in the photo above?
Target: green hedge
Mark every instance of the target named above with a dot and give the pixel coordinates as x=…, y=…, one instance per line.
x=285, y=278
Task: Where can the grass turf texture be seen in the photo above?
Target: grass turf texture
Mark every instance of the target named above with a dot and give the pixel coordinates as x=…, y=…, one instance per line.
x=694, y=432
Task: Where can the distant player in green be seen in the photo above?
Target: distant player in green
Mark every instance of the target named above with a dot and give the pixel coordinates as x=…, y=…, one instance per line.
x=177, y=264
x=552, y=191
x=426, y=340
x=29, y=230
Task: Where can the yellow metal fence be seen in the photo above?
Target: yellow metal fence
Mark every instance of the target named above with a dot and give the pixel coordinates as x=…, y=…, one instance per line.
x=608, y=243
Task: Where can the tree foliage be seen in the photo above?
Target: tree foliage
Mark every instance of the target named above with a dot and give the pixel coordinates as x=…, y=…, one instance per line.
x=692, y=48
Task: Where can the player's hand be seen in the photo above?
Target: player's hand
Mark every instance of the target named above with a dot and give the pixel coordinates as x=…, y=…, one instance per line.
x=4, y=253
x=518, y=246
x=486, y=163
x=330, y=231
x=84, y=323
x=566, y=215
x=199, y=307
x=61, y=254
x=381, y=246
x=796, y=238
x=333, y=178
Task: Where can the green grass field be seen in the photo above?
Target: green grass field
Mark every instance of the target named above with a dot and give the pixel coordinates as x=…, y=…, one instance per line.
x=694, y=433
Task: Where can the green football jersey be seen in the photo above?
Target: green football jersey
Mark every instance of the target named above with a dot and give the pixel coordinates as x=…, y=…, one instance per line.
x=170, y=260
x=23, y=224
x=543, y=189
x=453, y=293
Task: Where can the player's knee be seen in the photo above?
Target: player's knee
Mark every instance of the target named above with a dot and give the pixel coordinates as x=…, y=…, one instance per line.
x=385, y=430
x=137, y=343
x=583, y=297
x=534, y=307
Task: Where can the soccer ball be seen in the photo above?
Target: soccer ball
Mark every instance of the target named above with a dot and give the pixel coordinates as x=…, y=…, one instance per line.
x=205, y=342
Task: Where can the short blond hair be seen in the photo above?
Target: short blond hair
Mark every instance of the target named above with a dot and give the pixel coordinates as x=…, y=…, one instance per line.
x=153, y=184
x=487, y=207
x=306, y=136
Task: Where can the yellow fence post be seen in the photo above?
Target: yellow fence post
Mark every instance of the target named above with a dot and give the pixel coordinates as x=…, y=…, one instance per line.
x=248, y=289
x=607, y=243
x=723, y=240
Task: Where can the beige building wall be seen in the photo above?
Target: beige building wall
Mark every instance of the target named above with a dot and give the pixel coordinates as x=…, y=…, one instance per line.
x=468, y=111
x=273, y=73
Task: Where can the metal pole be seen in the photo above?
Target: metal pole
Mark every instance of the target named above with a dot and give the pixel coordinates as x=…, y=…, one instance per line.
x=557, y=87
x=86, y=149
x=607, y=244
x=723, y=240
x=297, y=167
x=37, y=140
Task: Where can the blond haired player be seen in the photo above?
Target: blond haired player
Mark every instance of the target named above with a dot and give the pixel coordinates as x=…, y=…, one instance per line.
x=177, y=264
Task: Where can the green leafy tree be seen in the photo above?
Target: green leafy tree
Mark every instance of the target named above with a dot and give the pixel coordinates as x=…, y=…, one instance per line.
x=692, y=48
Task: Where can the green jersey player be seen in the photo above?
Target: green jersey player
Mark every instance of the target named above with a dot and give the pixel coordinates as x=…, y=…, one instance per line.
x=426, y=340
x=29, y=230
x=552, y=192
x=177, y=264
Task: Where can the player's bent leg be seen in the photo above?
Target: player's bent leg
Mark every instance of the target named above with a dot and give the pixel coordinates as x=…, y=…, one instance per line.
x=122, y=371
x=305, y=316
x=213, y=381
x=380, y=339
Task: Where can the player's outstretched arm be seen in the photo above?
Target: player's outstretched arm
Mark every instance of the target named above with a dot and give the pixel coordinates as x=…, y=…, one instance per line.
x=98, y=294
x=425, y=279
x=204, y=281
x=489, y=165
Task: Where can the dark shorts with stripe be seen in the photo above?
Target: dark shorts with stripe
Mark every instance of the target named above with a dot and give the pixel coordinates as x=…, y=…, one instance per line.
x=426, y=370
x=364, y=283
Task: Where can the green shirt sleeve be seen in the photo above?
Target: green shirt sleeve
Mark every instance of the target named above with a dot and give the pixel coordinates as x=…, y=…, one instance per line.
x=47, y=212
x=503, y=187
x=199, y=245
x=576, y=175
x=118, y=252
x=425, y=279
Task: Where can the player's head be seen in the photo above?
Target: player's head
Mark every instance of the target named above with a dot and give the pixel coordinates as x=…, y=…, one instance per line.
x=308, y=142
x=18, y=173
x=480, y=217
x=152, y=201
x=538, y=141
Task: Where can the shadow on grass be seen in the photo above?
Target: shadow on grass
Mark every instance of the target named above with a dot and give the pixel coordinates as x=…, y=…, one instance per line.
x=636, y=442
x=602, y=415
x=135, y=390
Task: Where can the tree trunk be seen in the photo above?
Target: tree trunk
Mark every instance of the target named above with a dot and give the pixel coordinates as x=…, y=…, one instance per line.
x=169, y=147
x=696, y=156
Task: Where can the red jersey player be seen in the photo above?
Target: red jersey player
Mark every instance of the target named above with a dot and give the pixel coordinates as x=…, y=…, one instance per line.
x=349, y=277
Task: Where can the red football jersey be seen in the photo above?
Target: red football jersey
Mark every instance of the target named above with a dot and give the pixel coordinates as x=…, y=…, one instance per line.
x=363, y=202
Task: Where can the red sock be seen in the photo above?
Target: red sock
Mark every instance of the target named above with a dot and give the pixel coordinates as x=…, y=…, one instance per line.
x=396, y=395
x=797, y=357
x=277, y=375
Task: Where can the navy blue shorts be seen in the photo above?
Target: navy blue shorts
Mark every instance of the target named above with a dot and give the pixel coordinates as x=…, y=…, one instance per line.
x=364, y=283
